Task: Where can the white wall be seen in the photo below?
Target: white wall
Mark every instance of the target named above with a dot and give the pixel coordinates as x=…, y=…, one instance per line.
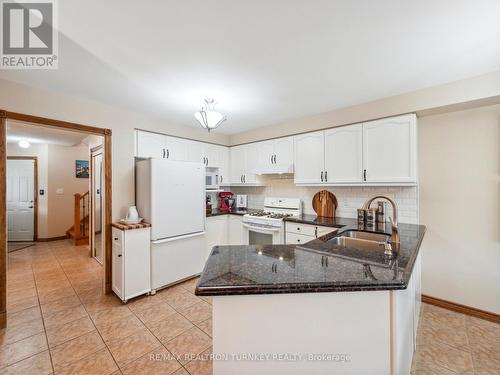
x=349, y=198
x=459, y=167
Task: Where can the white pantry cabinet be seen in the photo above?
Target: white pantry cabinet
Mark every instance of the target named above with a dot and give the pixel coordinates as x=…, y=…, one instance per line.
x=390, y=150
x=131, y=263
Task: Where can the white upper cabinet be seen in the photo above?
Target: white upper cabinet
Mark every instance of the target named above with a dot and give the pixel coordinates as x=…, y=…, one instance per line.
x=237, y=164
x=196, y=152
x=244, y=160
x=343, y=154
x=266, y=153
x=175, y=148
x=390, y=150
x=309, y=158
x=149, y=145
x=283, y=151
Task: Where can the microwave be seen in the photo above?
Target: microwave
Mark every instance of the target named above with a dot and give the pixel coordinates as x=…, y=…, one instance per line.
x=212, y=181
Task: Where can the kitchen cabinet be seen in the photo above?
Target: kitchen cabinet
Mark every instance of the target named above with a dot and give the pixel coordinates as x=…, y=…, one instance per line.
x=216, y=232
x=235, y=230
x=152, y=145
x=131, y=262
x=309, y=158
x=343, y=154
x=275, y=152
x=390, y=150
x=298, y=233
x=244, y=160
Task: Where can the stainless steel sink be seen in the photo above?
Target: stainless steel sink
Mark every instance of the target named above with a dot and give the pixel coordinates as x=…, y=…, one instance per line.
x=357, y=243
x=379, y=237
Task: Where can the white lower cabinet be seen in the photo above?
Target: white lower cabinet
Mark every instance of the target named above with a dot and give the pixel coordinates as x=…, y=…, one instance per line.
x=131, y=262
x=217, y=232
x=235, y=230
x=298, y=233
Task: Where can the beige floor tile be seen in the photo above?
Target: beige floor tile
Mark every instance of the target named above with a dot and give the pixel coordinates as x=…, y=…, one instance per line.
x=62, y=333
x=180, y=300
x=88, y=296
x=65, y=316
x=206, y=326
x=198, y=312
x=159, y=361
x=22, y=304
x=189, y=344
x=60, y=305
x=110, y=315
x=121, y=328
x=21, y=331
x=39, y=364
x=132, y=347
x=23, y=316
x=207, y=299
x=443, y=355
x=181, y=371
x=190, y=285
x=486, y=358
x=12, y=353
x=76, y=349
x=201, y=365
x=172, y=326
x=13, y=296
x=102, y=303
x=155, y=313
x=144, y=302
x=99, y=363
x=55, y=295
x=482, y=331
x=454, y=336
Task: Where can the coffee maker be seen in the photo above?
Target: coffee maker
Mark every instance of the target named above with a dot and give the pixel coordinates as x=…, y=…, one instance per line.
x=226, y=201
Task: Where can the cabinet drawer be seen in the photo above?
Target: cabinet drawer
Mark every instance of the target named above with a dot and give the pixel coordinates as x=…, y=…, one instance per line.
x=117, y=237
x=297, y=239
x=308, y=230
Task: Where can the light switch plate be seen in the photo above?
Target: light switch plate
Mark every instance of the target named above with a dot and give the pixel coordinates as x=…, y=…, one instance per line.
x=60, y=191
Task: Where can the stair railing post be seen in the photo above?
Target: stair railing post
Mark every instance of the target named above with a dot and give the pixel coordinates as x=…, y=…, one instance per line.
x=76, y=228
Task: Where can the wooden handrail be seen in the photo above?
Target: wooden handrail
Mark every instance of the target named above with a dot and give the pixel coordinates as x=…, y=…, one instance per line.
x=81, y=216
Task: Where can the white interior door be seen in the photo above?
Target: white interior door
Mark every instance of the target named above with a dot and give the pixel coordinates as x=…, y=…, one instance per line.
x=20, y=200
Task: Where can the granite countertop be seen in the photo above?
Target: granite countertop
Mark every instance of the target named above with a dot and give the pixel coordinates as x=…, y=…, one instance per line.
x=317, y=266
x=216, y=212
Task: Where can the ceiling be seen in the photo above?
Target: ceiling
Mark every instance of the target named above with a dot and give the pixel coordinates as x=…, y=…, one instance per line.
x=264, y=61
x=17, y=131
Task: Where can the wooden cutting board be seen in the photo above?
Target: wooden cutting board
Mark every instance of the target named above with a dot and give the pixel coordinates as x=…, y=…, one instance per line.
x=324, y=203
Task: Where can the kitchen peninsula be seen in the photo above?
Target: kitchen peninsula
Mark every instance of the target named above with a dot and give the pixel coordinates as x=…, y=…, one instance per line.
x=355, y=310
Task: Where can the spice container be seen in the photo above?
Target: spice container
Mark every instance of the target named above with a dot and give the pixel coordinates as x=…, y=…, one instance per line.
x=381, y=212
x=371, y=216
x=361, y=216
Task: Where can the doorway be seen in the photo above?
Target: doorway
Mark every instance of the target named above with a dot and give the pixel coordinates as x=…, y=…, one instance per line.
x=96, y=200
x=36, y=123
x=22, y=194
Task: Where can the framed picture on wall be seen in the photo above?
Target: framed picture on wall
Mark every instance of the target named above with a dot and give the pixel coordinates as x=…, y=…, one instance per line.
x=82, y=169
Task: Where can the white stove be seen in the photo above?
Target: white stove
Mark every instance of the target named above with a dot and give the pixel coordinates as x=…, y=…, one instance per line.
x=267, y=226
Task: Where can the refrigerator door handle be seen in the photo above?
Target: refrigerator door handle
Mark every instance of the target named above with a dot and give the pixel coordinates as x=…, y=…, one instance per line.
x=170, y=239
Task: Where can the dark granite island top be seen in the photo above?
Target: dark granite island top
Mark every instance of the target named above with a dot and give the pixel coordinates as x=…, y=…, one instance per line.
x=318, y=266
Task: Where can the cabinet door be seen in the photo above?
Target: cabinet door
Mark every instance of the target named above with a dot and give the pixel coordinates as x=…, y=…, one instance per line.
x=224, y=177
x=237, y=163
x=344, y=154
x=235, y=230
x=266, y=152
x=309, y=157
x=196, y=152
x=117, y=270
x=176, y=148
x=216, y=232
x=251, y=163
x=283, y=151
x=149, y=145
x=212, y=153
x=389, y=150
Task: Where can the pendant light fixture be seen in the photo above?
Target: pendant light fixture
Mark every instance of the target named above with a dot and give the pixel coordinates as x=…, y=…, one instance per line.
x=208, y=117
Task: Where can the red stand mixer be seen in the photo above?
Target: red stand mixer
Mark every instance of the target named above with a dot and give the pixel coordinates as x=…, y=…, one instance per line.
x=226, y=201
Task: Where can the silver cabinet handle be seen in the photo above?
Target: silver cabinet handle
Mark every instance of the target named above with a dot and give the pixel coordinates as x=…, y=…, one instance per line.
x=274, y=158
x=244, y=178
x=168, y=153
x=321, y=176
x=322, y=261
x=116, y=238
x=207, y=160
x=221, y=179
x=364, y=174
x=326, y=176
x=164, y=153
x=316, y=232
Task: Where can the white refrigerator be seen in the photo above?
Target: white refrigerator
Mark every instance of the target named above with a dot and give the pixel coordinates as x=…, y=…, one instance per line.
x=171, y=196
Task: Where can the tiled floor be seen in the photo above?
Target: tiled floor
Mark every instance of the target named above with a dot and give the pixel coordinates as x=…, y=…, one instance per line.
x=59, y=321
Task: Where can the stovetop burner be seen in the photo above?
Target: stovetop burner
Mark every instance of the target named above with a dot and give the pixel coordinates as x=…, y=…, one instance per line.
x=260, y=213
x=279, y=216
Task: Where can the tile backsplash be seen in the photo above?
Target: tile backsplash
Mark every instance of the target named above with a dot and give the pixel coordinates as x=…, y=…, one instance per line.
x=349, y=198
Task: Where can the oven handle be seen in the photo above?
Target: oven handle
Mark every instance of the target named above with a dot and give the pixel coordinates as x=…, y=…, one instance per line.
x=260, y=229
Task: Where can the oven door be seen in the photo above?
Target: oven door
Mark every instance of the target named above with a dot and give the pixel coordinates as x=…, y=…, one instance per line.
x=255, y=234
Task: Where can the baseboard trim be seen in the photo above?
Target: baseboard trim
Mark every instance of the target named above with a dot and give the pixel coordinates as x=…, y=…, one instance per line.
x=481, y=314
x=48, y=239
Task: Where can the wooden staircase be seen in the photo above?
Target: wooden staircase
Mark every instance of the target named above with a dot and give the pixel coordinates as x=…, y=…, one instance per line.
x=79, y=231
